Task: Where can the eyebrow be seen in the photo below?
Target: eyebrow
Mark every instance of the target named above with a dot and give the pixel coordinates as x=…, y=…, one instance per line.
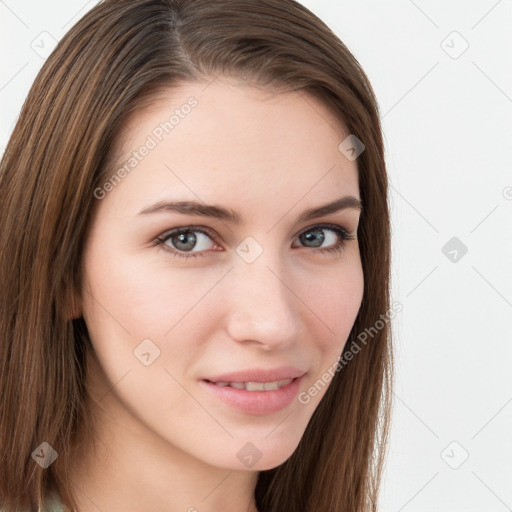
x=228, y=215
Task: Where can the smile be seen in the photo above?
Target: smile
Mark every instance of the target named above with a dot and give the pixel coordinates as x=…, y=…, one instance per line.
x=256, y=386
x=256, y=398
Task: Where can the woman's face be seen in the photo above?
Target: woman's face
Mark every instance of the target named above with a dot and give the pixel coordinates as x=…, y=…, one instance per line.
x=268, y=292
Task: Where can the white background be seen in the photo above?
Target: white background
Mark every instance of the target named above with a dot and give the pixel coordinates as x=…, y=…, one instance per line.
x=447, y=122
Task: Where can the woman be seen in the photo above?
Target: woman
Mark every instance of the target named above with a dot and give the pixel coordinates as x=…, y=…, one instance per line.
x=197, y=242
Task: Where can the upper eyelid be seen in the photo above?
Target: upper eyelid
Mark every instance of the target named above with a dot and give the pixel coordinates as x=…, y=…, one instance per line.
x=201, y=229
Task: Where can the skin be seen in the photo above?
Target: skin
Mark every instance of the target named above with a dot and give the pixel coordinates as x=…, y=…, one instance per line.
x=162, y=442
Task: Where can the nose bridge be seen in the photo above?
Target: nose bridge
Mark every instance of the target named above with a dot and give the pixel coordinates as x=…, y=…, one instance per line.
x=262, y=307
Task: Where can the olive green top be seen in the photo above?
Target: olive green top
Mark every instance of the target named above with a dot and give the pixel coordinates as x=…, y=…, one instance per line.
x=52, y=504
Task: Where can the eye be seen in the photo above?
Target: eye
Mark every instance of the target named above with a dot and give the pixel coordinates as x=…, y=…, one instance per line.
x=180, y=242
x=185, y=239
x=336, y=235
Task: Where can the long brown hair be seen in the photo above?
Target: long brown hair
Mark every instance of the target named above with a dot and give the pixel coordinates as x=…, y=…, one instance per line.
x=111, y=63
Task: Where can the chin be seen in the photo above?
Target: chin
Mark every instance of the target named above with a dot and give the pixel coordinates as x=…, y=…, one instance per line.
x=260, y=456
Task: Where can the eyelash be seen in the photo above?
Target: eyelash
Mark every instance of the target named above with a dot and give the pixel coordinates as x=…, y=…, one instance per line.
x=337, y=248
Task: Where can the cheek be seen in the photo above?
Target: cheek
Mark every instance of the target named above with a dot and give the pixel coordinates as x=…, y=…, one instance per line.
x=140, y=305
x=142, y=294
x=336, y=302
x=336, y=298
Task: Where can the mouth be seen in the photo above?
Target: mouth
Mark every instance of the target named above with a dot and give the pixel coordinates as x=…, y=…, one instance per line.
x=252, y=397
x=254, y=386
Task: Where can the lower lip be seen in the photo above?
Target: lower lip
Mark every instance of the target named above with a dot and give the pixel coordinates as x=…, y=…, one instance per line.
x=256, y=402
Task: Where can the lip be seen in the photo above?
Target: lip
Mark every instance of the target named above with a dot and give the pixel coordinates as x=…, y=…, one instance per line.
x=255, y=402
x=259, y=375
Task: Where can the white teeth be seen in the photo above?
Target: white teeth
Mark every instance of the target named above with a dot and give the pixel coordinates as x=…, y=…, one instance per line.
x=260, y=386
x=256, y=386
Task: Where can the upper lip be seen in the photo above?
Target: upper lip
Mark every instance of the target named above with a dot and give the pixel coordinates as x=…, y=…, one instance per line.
x=259, y=375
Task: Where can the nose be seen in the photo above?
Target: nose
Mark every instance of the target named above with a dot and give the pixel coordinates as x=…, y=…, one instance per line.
x=263, y=307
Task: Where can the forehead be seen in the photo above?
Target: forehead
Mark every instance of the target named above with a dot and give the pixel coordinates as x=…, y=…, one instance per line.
x=207, y=141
